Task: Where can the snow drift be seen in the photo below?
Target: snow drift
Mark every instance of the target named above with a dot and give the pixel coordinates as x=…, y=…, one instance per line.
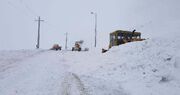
x=150, y=67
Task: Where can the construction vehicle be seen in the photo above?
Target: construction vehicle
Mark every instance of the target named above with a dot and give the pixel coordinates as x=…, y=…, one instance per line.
x=77, y=45
x=121, y=37
x=56, y=47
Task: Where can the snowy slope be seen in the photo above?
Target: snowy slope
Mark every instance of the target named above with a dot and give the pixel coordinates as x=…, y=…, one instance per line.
x=150, y=67
x=143, y=68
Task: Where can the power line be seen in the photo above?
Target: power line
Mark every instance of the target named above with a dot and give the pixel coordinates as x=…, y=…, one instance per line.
x=28, y=8
x=17, y=8
x=52, y=26
x=29, y=11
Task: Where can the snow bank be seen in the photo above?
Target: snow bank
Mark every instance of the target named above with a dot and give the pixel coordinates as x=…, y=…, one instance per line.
x=150, y=67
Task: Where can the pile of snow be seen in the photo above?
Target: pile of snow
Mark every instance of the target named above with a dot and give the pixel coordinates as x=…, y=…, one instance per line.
x=150, y=67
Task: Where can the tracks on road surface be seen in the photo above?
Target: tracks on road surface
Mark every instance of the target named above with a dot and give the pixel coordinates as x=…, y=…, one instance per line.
x=72, y=85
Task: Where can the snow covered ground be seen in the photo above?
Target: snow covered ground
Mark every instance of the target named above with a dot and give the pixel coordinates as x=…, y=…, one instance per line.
x=150, y=67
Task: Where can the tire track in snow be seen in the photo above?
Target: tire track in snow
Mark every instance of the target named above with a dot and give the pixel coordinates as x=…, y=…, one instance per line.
x=72, y=85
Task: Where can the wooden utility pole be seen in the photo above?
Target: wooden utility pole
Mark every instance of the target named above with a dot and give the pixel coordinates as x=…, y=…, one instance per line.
x=66, y=40
x=95, y=28
x=38, y=37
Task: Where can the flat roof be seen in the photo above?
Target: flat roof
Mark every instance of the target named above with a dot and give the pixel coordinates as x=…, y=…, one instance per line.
x=125, y=32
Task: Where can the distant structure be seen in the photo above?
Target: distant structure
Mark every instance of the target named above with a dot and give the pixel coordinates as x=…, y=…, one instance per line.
x=119, y=37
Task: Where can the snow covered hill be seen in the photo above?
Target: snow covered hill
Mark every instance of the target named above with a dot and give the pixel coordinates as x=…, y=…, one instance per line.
x=143, y=68
x=150, y=67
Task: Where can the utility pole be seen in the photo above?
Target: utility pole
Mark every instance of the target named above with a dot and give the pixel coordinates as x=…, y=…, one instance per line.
x=66, y=40
x=95, y=29
x=38, y=37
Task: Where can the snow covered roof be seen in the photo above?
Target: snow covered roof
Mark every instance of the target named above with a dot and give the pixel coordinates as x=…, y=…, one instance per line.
x=125, y=32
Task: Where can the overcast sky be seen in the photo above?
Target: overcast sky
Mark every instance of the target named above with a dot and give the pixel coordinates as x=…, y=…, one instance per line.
x=18, y=29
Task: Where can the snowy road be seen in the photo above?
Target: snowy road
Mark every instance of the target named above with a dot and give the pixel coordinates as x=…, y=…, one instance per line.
x=53, y=73
x=43, y=74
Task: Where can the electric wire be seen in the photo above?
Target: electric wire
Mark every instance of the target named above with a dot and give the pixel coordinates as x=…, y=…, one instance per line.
x=53, y=27
x=17, y=8
x=28, y=8
x=30, y=12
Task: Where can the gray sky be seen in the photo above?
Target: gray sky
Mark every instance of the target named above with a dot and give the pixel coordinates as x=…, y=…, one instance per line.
x=18, y=30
